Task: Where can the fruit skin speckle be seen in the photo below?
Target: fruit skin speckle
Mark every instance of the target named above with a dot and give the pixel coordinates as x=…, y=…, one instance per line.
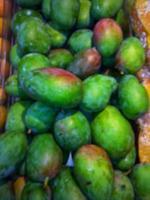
x=93, y=172
x=123, y=189
x=107, y=37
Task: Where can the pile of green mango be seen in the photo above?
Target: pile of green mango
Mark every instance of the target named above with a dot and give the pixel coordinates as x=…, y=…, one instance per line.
x=70, y=134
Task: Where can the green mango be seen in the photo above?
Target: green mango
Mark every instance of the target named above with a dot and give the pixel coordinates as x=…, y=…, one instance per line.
x=44, y=158
x=6, y=192
x=33, y=37
x=46, y=8
x=84, y=17
x=15, y=117
x=128, y=161
x=69, y=131
x=105, y=9
x=60, y=58
x=107, y=37
x=39, y=117
x=28, y=3
x=14, y=56
x=65, y=187
x=85, y=38
x=27, y=64
x=132, y=97
x=64, y=13
x=57, y=38
x=113, y=132
x=97, y=90
x=123, y=189
x=93, y=172
x=140, y=178
x=55, y=87
x=35, y=191
x=131, y=55
x=85, y=63
x=21, y=16
x=13, y=147
x=12, y=88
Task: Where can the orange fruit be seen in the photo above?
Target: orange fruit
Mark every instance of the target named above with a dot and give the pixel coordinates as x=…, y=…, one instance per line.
x=8, y=8
x=1, y=8
x=4, y=47
x=3, y=115
x=5, y=8
x=3, y=96
x=4, y=27
x=18, y=187
x=4, y=69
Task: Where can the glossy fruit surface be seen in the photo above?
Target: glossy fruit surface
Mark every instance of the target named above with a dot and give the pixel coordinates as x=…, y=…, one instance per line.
x=103, y=9
x=13, y=147
x=21, y=16
x=97, y=90
x=140, y=177
x=128, y=161
x=12, y=87
x=33, y=37
x=131, y=55
x=60, y=57
x=93, y=172
x=132, y=96
x=110, y=128
x=15, y=117
x=65, y=187
x=44, y=159
x=28, y=63
x=84, y=17
x=14, y=56
x=65, y=20
x=107, y=36
x=34, y=191
x=85, y=63
x=57, y=38
x=54, y=86
x=69, y=131
x=85, y=38
x=39, y=117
